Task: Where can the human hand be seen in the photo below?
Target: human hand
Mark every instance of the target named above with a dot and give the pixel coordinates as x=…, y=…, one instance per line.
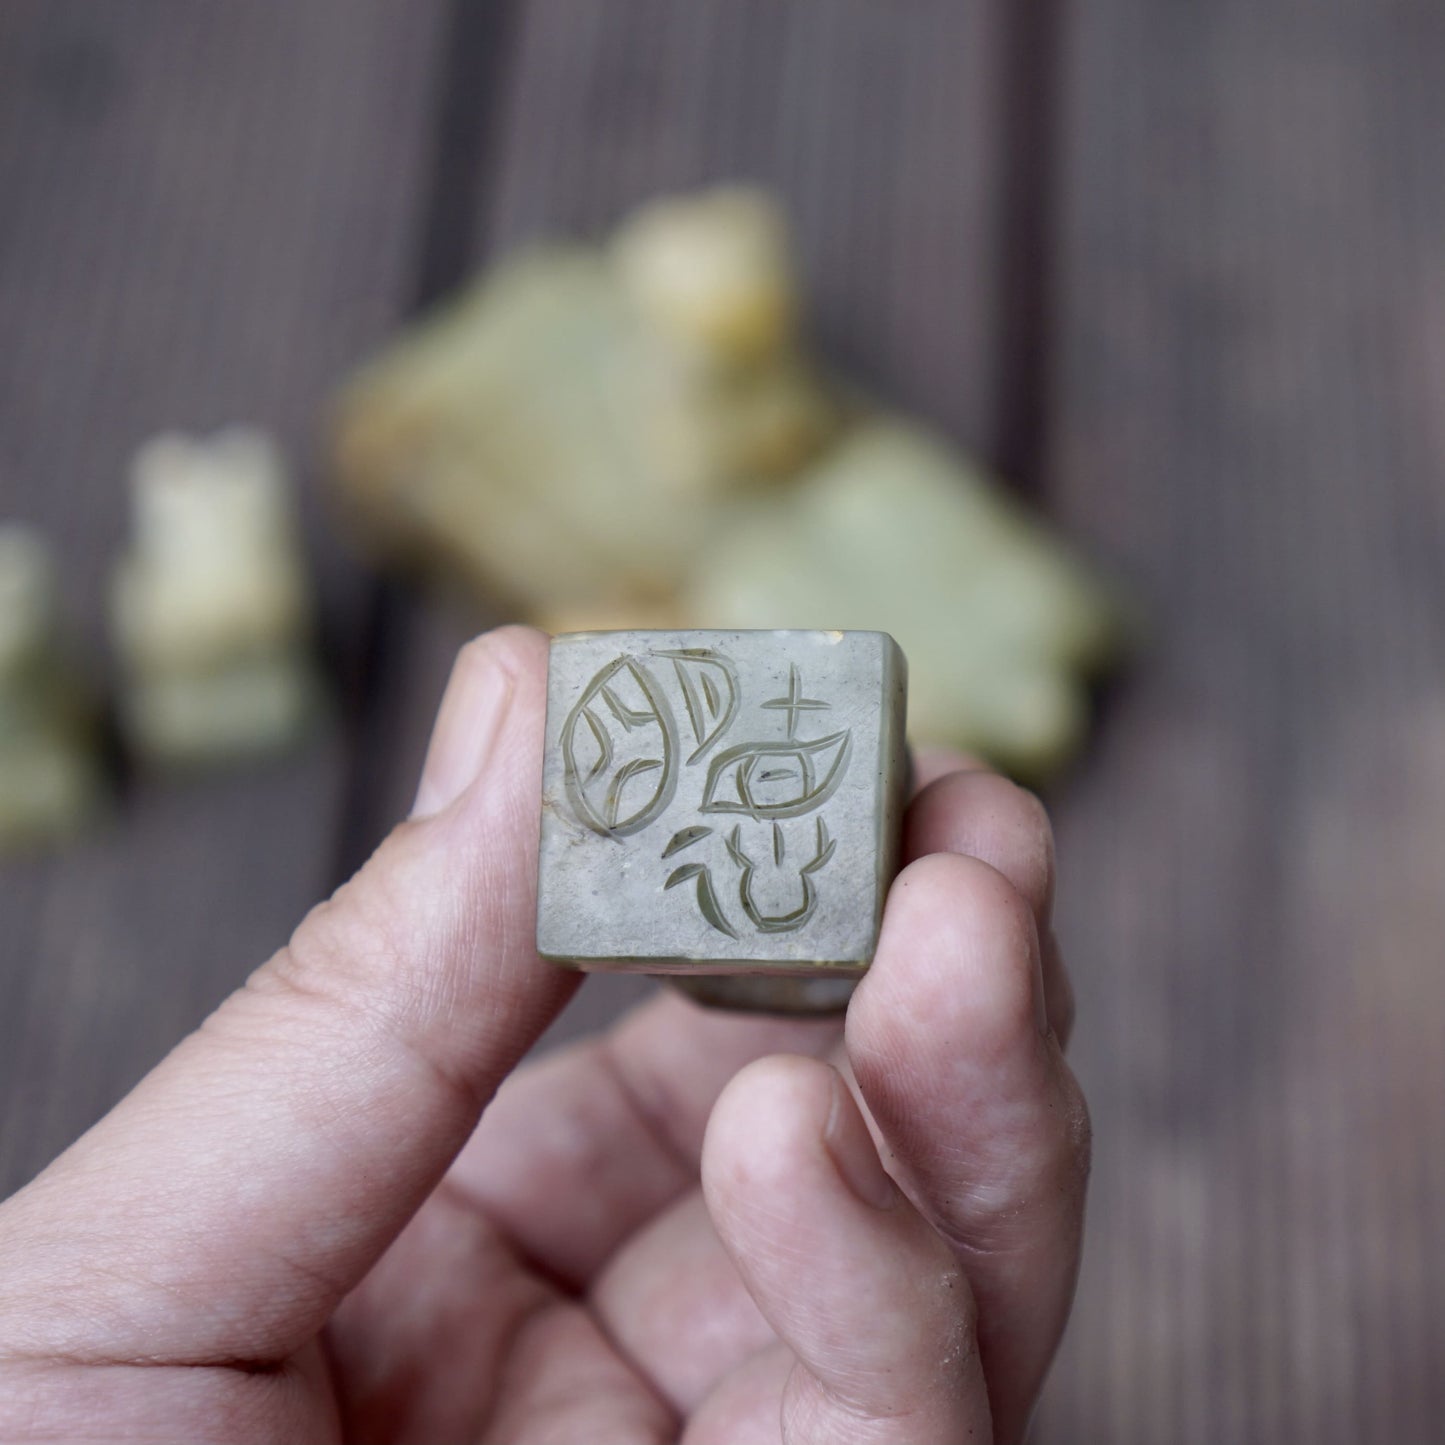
x=295, y=1229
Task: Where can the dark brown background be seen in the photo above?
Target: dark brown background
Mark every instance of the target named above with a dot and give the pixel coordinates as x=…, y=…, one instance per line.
x=1177, y=268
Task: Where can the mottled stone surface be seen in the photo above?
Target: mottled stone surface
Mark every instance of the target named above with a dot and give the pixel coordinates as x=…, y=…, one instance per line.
x=720, y=802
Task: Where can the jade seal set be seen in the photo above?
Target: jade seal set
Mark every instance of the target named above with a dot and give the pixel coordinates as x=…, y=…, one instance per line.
x=720, y=802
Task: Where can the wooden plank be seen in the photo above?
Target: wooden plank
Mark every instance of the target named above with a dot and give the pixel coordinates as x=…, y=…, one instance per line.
x=882, y=138
x=1248, y=417
x=207, y=211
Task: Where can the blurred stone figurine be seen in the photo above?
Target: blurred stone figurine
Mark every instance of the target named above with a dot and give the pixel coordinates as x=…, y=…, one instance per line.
x=635, y=436
x=49, y=773
x=566, y=433
x=211, y=607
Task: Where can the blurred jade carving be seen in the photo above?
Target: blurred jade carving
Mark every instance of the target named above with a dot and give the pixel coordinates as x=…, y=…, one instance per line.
x=211, y=603
x=634, y=435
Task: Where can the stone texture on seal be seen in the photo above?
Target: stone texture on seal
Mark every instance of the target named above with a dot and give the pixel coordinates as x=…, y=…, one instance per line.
x=720, y=802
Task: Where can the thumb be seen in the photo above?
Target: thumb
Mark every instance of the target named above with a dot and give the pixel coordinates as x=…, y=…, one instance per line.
x=225, y=1206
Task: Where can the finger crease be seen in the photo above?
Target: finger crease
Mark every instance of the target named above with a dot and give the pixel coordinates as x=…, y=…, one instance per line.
x=651, y=1119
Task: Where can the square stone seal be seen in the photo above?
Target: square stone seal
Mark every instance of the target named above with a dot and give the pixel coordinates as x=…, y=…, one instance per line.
x=720, y=802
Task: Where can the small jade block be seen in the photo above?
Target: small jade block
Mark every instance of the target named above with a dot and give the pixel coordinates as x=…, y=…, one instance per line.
x=720, y=802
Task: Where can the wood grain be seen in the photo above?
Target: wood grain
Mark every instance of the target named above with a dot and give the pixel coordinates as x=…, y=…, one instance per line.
x=1248, y=376
x=207, y=210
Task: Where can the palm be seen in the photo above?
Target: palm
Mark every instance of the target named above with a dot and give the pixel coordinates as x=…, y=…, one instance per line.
x=566, y=1277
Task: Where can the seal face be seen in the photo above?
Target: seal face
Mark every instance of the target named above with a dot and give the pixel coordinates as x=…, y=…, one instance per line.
x=720, y=801
x=620, y=755
x=619, y=746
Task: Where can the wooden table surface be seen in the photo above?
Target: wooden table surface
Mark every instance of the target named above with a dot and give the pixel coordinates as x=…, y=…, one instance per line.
x=1178, y=270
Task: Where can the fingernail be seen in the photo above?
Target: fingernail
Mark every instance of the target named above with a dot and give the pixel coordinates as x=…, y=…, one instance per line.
x=848, y=1142
x=473, y=706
